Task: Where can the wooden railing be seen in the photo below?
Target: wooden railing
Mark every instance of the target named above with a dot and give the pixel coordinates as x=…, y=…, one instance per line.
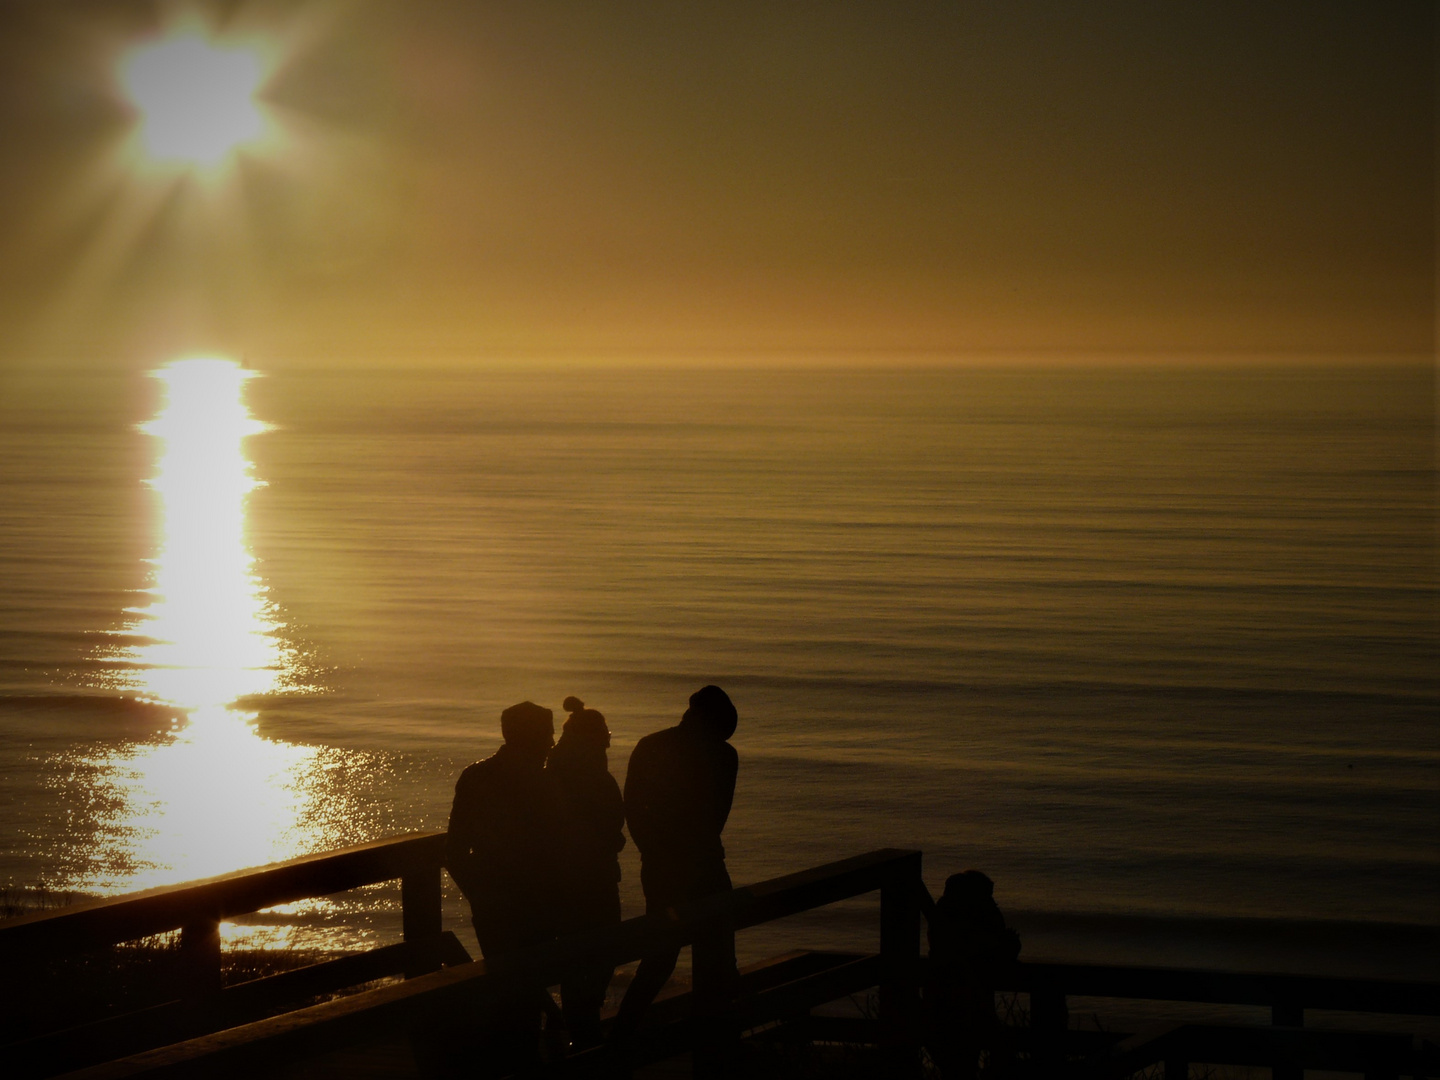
x=458, y=990
x=197, y=908
x=232, y=1031
x=1286, y=1047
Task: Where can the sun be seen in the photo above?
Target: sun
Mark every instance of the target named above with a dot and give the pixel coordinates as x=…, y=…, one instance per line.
x=196, y=99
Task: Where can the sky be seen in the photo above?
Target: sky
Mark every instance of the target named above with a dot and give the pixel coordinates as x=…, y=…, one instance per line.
x=466, y=182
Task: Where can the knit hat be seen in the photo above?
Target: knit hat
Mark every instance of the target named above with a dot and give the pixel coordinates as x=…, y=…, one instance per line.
x=585, y=725
x=526, y=722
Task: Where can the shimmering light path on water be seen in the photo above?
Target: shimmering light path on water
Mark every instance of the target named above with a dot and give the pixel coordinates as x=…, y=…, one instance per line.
x=214, y=795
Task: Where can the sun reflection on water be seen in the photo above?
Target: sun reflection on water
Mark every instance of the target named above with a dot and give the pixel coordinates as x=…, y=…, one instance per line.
x=214, y=795
x=216, y=634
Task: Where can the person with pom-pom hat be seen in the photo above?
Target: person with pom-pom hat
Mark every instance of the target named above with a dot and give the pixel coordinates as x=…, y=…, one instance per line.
x=592, y=814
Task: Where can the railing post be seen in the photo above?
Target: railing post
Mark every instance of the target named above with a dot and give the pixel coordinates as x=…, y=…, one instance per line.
x=1287, y=1013
x=900, y=965
x=714, y=975
x=420, y=912
x=1049, y=1022
x=200, y=956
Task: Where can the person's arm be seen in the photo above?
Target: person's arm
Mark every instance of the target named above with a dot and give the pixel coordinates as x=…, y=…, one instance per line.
x=615, y=811
x=460, y=839
x=725, y=796
x=639, y=786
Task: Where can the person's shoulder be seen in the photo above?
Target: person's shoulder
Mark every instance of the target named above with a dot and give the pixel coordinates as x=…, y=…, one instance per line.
x=475, y=774
x=656, y=740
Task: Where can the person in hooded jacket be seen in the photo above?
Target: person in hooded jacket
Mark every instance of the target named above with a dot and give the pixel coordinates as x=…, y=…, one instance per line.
x=678, y=790
x=592, y=814
x=970, y=946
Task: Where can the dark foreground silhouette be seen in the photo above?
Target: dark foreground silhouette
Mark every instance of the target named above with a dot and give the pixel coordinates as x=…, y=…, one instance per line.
x=533, y=843
x=970, y=945
x=591, y=815
x=678, y=792
x=502, y=849
x=206, y=1024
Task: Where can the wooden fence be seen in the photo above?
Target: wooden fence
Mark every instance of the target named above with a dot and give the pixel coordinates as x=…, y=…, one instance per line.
x=1285, y=1046
x=213, y=1031
x=776, y=987
x=197, y=908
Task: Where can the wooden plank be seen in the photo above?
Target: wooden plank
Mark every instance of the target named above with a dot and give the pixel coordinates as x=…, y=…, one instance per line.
x=1369, y=1052
x=334, y=1023
x=317, y=1028
x=1222, y=987
x=816, y=887
x=145, y=1029
x=799, y=995
x=465, y=986
x=771, y=990
x=900, y=964
x=98, y=923
x=855, y=1030
x=1141, y=1050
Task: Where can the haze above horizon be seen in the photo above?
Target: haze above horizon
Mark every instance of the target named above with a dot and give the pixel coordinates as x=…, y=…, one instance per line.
x=457, y=184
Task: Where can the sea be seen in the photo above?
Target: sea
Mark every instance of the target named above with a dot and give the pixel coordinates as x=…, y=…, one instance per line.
x=1156, y=648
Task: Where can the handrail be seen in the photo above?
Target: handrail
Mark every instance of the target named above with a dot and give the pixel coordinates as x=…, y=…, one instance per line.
x=1389, y=996
x=895, y=872
x=1288, y=996
x=415, y=858
x=1288, y=993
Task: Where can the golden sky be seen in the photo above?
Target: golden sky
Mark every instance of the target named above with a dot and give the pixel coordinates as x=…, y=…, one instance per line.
x=471, y=181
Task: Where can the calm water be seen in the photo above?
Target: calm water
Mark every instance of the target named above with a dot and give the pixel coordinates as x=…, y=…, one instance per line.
x=1143, y=644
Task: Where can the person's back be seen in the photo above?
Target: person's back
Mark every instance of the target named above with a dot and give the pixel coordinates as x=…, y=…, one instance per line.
x=501, y=844
x=678, y=790
x=592, y=813
x=592, y=810
x=500, y=849
x=969, y=928
x=678, y=793
x=969, y=946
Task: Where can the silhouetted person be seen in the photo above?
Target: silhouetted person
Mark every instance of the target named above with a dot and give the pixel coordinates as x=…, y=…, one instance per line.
x=678, y=791
x=501, y=851
x=969, y=946
x=592, y=814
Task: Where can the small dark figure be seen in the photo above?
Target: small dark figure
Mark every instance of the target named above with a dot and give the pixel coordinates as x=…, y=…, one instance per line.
x=678, y=791
x=592, y=814
x=501, y=851
x=969, y=945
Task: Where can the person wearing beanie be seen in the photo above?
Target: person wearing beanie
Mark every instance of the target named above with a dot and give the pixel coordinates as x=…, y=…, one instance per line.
x=678, y=790
x=502, y=837
x=970, y=946
x=501, y=850
x=592, y=814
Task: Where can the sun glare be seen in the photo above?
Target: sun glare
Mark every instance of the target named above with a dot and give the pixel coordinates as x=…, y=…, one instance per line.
x=216, y=794
x=196, y=99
